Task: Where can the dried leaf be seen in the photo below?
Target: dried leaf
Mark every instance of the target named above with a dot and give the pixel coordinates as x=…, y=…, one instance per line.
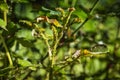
x=55, y=22
x=42, y=18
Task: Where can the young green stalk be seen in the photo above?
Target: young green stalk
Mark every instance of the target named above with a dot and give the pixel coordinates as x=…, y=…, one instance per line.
x=4, y=44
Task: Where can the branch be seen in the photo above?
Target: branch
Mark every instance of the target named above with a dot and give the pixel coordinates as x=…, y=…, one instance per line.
x=3, y=41
x=7, y=52
x=5, y=14
x=91, y=10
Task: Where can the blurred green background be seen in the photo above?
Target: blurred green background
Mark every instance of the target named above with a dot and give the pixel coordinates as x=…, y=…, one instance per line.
x=102, y=26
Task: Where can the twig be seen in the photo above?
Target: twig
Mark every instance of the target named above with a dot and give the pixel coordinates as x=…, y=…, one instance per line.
x=80, y=26
x=118, y=30
x=5, y=14
x=4, y=44
x=91, y=10
x=65, y=64
x=49, y=48
x=7, y=52
x=116, y=45
x=45, y=39
x=68, y=18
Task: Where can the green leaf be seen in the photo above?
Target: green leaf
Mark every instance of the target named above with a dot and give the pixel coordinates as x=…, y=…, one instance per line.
x=32, y=68
x=51, y=11
x=3, y=6
x=26, y=22
x=45, y=9
x=99, y=48
x=3, y=24
x=23, y=1
x=24, y=63
x=20, y=1
x=4, y=71
x=54, y=13
x=81, y=14
x=24, y=42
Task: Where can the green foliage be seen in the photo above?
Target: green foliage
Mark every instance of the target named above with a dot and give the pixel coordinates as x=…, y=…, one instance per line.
x=3, y=6
x=59, y=40
x=2, y=24
x=24, y=63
